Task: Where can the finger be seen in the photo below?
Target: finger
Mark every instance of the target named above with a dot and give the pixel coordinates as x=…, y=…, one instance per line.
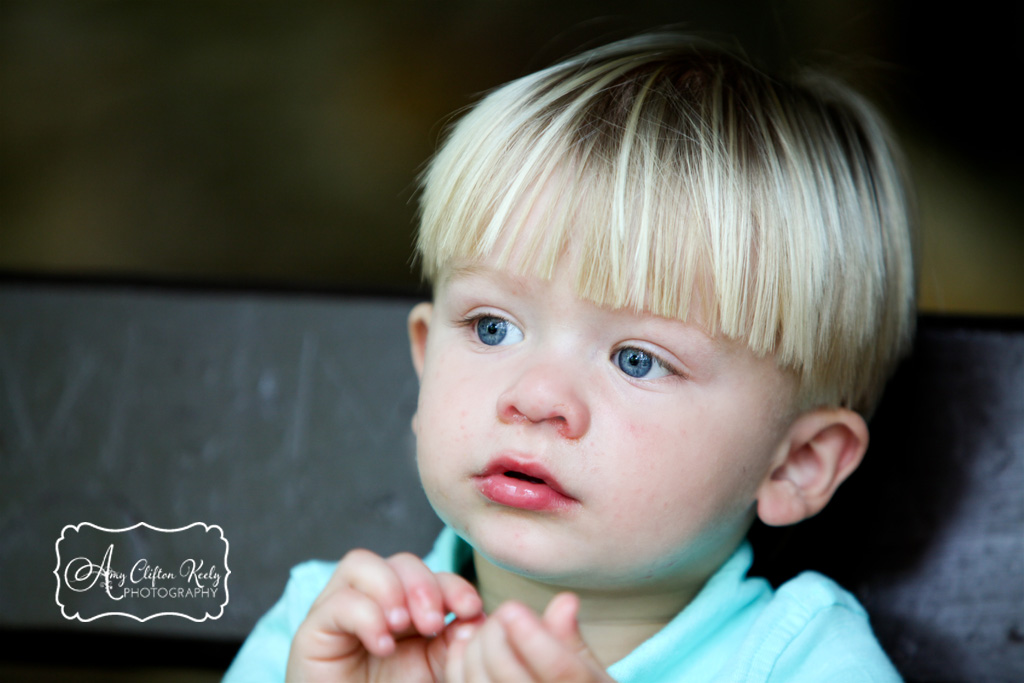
x=340, y=624
x=560, y=619
x=489, y=657
x=423, y=596
x=373, y=576
x=445, y=654
x=543, y=653
x=460, y=596
x=455, y=659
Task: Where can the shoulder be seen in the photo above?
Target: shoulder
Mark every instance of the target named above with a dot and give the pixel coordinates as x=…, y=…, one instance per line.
x=814, y=630
x=264, y=654
x=809, y=630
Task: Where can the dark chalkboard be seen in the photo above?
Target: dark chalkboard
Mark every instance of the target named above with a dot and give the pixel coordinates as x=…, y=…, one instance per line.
x=282, y=418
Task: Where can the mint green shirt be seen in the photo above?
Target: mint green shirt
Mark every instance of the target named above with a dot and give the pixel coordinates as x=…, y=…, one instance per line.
x=736, y=629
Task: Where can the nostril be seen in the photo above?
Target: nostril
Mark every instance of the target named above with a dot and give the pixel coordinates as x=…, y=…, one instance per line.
x=512, y=415
x=527, y=403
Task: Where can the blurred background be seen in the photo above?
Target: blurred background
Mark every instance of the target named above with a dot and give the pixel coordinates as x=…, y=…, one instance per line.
x=277, y=144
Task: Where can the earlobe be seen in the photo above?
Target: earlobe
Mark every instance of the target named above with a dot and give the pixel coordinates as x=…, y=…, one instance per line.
x=419, y=326
x=821, y=449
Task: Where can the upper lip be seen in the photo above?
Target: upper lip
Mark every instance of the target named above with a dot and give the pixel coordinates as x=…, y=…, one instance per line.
x=504, y=464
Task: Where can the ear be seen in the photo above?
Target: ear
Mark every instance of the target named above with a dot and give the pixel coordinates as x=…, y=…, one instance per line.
x=821, y=449
x=419, y=325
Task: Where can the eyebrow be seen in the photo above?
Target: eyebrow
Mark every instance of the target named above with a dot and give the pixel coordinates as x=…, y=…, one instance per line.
x=458, y=272
x=478, y=270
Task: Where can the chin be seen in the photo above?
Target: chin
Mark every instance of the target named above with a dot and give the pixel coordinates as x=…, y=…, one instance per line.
x=521, y=546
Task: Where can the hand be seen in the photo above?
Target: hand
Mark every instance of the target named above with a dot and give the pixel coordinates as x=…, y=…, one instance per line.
x=516, y=645
x=382, y=620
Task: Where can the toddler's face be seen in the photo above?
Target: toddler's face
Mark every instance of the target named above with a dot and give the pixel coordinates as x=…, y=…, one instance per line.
x=584, y=446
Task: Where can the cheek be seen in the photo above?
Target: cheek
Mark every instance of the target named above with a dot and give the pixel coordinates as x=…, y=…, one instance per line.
x=656, y=445
x=450, y=403
x=651, y=470
x=640, y=432
x=690, y=465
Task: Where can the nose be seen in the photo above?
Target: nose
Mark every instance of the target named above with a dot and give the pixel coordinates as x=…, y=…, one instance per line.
x=546, y=395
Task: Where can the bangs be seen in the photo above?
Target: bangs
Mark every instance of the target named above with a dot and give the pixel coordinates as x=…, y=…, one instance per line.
x=691, y=188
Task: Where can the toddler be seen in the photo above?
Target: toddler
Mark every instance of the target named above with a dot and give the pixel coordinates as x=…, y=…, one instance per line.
x=667, y=290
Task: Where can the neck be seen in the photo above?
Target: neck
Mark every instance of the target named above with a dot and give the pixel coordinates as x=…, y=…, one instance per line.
x=612, y=623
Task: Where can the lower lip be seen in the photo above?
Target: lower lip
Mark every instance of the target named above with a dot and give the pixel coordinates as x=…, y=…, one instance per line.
x=525, y=495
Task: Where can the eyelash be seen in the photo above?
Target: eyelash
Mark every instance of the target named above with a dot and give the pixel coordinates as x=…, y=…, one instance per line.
x=469, y=322
x=672, y=369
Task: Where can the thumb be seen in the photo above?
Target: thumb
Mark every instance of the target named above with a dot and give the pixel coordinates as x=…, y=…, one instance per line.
x=560, y=618
x=446, y=651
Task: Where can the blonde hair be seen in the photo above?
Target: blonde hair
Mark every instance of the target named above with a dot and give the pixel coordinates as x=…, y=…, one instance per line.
x=690, y=178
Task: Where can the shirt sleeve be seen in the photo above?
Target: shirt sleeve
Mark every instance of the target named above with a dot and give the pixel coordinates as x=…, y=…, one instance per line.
x=835, y=645
x=264, y=654
x=815, y=631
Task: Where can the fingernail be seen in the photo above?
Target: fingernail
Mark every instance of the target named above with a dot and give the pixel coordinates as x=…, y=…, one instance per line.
x=512, y=613
x=464, y=632
x=385, y=642
x=469, y=603
x=397, y=616
x=435, y=620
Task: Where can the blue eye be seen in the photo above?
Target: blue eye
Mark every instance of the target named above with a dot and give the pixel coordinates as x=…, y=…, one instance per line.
x=634, y=362
x=494, y=331
x=638, y=364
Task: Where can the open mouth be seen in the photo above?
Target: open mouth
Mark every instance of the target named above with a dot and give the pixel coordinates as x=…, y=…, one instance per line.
x=512, y=474
x=518, y=483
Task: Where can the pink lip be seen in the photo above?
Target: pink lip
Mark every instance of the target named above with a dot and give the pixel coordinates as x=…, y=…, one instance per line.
x=520, y=484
